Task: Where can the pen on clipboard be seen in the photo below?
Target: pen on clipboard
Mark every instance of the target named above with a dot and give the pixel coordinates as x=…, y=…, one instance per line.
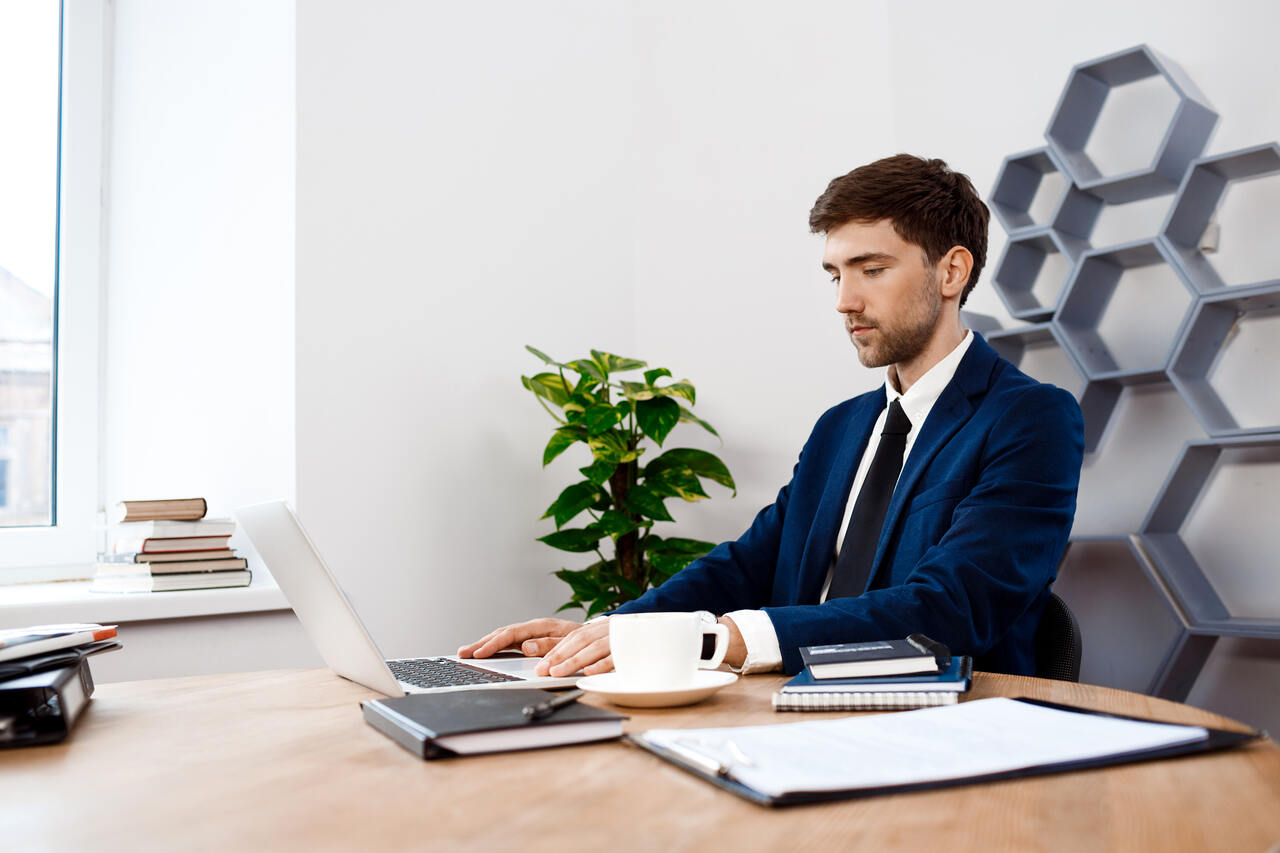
x=708, y=763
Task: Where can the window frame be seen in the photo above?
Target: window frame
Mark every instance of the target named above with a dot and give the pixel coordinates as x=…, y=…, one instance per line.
x=65, y=550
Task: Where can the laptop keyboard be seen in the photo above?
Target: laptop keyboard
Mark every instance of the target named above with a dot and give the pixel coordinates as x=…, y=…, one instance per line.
x=443, y=672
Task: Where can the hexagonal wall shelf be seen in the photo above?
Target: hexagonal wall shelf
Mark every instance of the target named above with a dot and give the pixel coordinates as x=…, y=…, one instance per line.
x=1119, y=603
x=1032, y=272
x=1026, y=182
x=1090, y=294
x=1214, y=323
x=1161, y=538
x=1199, y=197
x=1081, y=104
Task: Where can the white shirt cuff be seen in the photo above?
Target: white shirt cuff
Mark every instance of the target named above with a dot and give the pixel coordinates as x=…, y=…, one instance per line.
x=761, y=640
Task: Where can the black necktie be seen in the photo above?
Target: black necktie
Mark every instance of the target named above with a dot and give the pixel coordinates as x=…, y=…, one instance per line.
x=853, y=567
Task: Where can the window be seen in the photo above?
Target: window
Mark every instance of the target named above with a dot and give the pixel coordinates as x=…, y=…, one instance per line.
x=30, y=76
x=52, y=80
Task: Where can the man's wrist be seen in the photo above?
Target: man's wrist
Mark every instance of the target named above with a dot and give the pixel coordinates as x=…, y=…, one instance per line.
x=736, y=655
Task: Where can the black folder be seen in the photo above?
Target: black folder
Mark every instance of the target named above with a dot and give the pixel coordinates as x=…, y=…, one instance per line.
x=1217, y=740
x=42, y=707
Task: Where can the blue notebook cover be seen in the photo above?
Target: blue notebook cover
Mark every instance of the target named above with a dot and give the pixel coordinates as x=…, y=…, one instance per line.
x=956, y=677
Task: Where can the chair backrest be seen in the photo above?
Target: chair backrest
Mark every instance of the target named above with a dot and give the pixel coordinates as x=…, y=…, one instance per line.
x=1058, y=643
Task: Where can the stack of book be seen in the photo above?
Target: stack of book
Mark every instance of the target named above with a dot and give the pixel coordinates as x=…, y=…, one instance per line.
x=880, y=676
x=45, y=681
x=165, y=545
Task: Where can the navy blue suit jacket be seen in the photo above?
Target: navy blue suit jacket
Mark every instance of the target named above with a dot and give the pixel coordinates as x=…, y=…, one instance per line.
x=971, y=542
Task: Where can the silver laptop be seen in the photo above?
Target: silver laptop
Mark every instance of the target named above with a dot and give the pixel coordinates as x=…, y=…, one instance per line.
x=338, y=633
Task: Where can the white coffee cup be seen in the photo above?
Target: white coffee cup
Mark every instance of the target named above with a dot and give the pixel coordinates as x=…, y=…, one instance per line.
x=662, y=651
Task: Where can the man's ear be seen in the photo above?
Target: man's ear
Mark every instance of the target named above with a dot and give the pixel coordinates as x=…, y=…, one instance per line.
x=953, y=271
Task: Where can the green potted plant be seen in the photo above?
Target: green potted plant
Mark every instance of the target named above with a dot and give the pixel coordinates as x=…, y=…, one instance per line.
x=622, y=498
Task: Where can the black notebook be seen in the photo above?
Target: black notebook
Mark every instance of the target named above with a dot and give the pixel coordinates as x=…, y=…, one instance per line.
x=467, y=722
x=917, y=653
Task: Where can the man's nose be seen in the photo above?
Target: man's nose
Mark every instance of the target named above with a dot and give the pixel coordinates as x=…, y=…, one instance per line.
x=849, y=298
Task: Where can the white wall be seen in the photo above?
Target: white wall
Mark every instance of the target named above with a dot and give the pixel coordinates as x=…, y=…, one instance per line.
x=570, y=175
x=198, y=369
x=621, y=175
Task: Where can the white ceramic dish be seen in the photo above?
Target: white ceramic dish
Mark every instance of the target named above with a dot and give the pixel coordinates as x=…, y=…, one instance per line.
x=611, y=687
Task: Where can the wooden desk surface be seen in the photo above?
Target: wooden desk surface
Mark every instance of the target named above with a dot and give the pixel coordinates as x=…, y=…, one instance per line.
x=283, y=761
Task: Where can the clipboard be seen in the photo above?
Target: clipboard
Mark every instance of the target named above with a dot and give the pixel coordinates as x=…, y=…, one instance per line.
x=724, y=778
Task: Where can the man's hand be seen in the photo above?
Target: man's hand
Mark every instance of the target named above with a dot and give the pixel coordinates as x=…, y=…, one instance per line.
x=533, y=638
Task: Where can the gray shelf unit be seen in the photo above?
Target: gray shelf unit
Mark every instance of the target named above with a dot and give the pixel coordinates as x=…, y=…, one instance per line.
x=1213, y=320
x=1155, y=564
x=1081, y=103
x=1198, y=199
x=1019, y=268
x=1161, y=540
x=1114, y=590
x=1017, y=184
x=1087, y=296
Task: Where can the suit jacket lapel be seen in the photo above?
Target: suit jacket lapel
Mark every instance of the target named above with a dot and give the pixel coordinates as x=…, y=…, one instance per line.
x=954, y=407
x=821, y=544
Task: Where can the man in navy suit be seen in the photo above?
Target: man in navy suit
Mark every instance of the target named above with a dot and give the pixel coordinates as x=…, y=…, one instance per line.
x=980, y=513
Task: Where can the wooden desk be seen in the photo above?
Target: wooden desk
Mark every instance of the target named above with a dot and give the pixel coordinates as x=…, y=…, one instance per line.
x=283, y=761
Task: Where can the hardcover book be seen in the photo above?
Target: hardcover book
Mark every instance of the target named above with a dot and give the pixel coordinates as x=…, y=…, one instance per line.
x=917, y=653
x=467, y=722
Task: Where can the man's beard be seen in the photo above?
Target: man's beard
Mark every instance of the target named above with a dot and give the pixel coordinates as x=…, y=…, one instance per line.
x=902, y=339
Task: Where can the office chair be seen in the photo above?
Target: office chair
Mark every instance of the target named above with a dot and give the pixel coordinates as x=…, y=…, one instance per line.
x=1058, y=643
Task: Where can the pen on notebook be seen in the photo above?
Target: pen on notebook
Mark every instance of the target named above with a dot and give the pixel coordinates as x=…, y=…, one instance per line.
x=545, y=709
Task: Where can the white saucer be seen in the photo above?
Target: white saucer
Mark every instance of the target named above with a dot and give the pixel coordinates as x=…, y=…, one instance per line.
x=610, y=686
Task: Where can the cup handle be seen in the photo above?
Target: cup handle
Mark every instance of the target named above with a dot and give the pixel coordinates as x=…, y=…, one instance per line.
x=722, y=645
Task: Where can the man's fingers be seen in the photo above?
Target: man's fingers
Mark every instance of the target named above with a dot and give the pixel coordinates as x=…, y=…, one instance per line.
x=512, y=636
x=589, y=654
x=605, y=664
x=538, y=647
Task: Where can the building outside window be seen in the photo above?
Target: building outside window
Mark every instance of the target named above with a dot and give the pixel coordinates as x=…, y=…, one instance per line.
x=30, y=74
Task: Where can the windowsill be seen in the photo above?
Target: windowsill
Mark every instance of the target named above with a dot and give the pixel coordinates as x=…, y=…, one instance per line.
x=71, y=601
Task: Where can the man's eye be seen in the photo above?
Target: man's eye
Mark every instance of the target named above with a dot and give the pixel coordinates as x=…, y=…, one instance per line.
x=872, y=272
x=835, y=279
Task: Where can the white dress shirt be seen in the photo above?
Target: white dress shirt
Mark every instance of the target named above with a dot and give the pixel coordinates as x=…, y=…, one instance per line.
x=763, y=652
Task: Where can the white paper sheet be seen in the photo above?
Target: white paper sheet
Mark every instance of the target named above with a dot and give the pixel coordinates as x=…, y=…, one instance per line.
x=932, y=744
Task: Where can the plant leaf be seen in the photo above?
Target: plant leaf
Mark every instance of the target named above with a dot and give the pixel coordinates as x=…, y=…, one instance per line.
x=675, y=481
x=542, y=355
x=585, y=583
x=678, y=545
x=652, y=376
x=577, y=540
x=657, y=417
x=611, y=363
x=702, y=463
x=688, y=417
x=599, y=471
x=587, y=367
x=637, y=391
x=678, y=389
x=646, y=502
x=549, y=386
x=617, y=523
x=561, y=440
x=668, y=563
x=599, y=418
x=610, y=446
x=573, y=500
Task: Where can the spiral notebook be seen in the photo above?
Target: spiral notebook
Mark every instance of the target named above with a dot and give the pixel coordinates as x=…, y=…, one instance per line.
x=889, y=693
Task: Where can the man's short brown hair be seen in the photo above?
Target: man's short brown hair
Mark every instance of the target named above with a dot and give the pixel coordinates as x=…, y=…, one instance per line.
x=927, y=203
